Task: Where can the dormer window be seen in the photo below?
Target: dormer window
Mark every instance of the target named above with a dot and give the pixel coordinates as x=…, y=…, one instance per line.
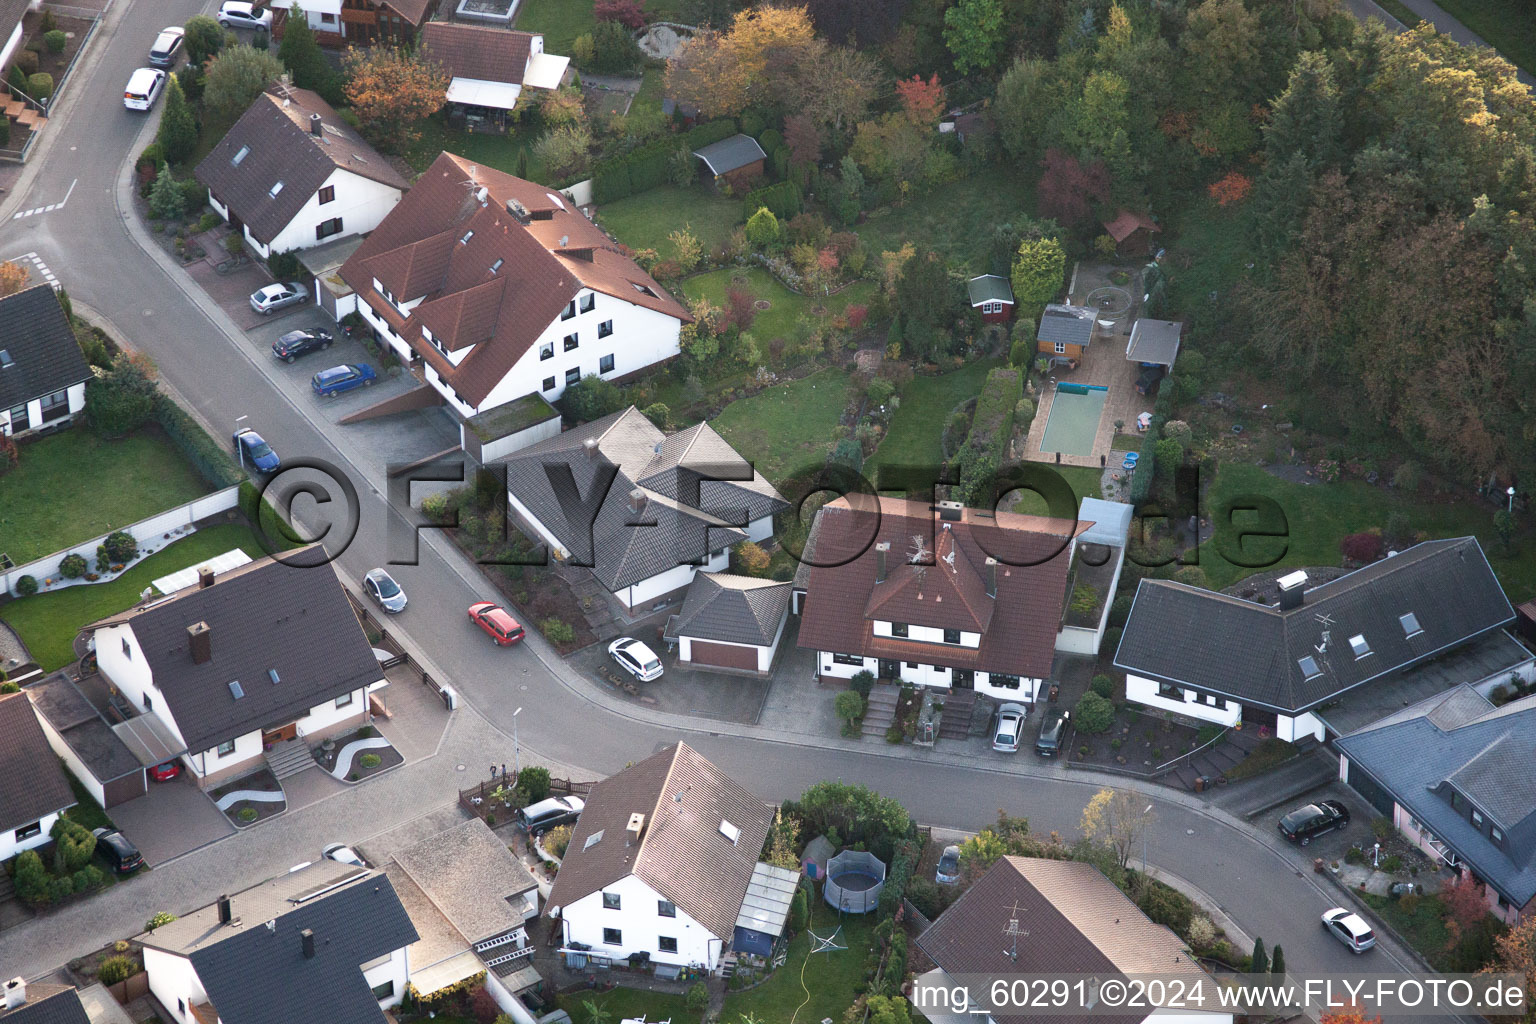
x=643, y=289
x=6, y=362
x=952, y=636
x=1359, y=645
x=1496, y=834
x=899, y=629
x=275, y=189
x=1477, y=819
x=1410, y=624
x=1309, y=667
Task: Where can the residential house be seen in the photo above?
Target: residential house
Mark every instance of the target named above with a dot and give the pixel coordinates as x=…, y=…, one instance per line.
x=730, y=622
x=1132, y=233
x=326, y=942
x=43, y=1003
x=358, y=22
x=36, y=790
x=243, y=665
x=943, y=596
x=1035, y=917
x=736, y=162
x=1154, y=342
x=11, y=14
x=644, y=510
x=1096, y=566
x=1326, y=659
x=1453, y=774
x=500, y=289
x=42, y=372
x=489, y=68
x=291, y=174
x=992, y=295
x=1064, y=332
x=471, y=901
x=660, y=864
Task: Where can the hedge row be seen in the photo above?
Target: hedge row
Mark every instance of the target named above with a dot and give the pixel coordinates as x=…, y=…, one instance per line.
x=647, y=167
x=210, y=457
x=784, y=199
x=991, y=427
x=1146, y=466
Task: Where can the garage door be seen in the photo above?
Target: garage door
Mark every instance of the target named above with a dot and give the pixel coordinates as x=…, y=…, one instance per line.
x=724, y=655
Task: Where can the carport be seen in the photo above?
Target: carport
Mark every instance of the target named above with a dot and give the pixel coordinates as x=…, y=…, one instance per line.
x=1154, y=343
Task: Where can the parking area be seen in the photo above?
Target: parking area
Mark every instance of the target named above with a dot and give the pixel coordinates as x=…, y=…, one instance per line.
x=173, y=818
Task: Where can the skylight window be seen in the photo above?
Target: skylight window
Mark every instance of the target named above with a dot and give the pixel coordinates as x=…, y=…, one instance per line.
x=593, y=840
x=497, y=265
x=467, y=236
x=1411, y=625
x=730, y=831
x=1309, y=667
x=1359, y=645
x=5, y=359
x=272, y=675
x=643, y=289
x=275, y=189
x=245, y=151
x=236, y=689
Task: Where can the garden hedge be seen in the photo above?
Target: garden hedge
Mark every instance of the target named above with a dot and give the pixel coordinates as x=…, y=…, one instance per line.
x=645, y=168
x=209, y=457
x=784, y=199
x=986, y=446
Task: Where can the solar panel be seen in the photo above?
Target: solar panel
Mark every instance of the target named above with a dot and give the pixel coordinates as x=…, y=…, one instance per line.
x=236, y=689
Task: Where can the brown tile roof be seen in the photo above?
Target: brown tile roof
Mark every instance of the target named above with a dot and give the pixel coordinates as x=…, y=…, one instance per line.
x=1127, y=223
x=35, y=785
x=413, y=11
x=477, y=51
x=1018, y=627
x=681, y=853
x=275, y=130
x=441, y=240
x=1071, y=920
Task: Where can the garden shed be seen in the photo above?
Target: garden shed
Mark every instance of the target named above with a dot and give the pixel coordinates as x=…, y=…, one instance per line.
x=992, y=295
x=1154, y=342
x=736, y=161
x=1132, y=233
x=765, y=909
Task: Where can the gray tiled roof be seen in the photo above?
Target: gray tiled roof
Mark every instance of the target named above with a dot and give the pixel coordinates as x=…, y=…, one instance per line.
x=44, y=354
x=736, y=609
x=1252, y=653
x=48, y=1004
x=989, y=288
x=1460, y=741
x=1154, y=341
x=32, y=783
x=267, y=616
x=632, y=453
x=1070, y=324
x=729, y=154
x=469, y=875
x=256, y=975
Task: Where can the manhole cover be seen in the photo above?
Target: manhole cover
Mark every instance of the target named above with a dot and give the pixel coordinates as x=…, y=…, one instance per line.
x=523, y=687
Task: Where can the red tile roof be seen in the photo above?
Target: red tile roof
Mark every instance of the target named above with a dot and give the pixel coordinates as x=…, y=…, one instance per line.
x=1018, y=627
x=441, y=241
x=480, y=52
x=1127, y=223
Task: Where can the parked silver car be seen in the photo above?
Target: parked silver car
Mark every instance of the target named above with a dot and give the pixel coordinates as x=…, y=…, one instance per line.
x=948, y=872
x=384, y=591
x=1010, y=725
x=273, y=297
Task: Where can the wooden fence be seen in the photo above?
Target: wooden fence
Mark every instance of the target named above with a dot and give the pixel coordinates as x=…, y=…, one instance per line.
x=398, y=654
x=479, y=801
x=130, y=988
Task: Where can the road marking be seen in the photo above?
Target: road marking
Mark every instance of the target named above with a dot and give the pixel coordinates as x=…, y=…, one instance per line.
x=48, y=209
x=42, y=268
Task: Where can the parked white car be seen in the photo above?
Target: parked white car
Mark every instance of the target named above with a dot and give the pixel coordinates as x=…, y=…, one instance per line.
x=1349, y=928
x=1010, y=725
x=238, y=14
x=635, y=658
x=143, y=88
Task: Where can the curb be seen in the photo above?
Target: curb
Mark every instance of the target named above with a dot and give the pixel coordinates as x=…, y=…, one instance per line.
x=1239, y=938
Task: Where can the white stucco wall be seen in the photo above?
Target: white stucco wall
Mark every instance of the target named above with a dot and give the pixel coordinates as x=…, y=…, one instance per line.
x=174, y=983
x=121, y=660
x=1298, y=728
x=75, y=394
x=360, y=202
x=829, y=667
x=929, y=634
x=396, y=969
x=11, y=44
x=1145, y=691
x=490, y=451
x=208, y=762
x=675, y=578
x=10, y=846
x=640, y=926
x=72, y=763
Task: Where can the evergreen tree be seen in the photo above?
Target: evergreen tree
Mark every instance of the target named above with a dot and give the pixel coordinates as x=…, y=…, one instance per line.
x=1281, y=198
x=165, y=198
x=300, y=53
x=1277, y=961
x=178, y=129
x=522, y=164
x=1260, y=961
x=1306, y=118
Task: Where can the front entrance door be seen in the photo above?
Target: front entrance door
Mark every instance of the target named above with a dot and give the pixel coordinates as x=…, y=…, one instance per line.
x=278, y=735
x=964, y=679
x=889, y=669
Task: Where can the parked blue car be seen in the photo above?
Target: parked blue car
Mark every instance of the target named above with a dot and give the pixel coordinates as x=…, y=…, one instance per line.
x=343, y=378
x=254, y=451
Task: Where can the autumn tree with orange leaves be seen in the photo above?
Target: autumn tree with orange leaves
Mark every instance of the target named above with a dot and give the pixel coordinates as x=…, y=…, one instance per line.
x=13, y=277
x=1349, y=1016
x=922, y=102
x=390, y=91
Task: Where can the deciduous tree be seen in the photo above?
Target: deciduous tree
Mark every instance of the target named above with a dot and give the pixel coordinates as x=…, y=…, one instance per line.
x=721, y=73
x=922, y=101
x=1117, y=818
x=861, y=23
x=236, y=76
x=13, y=277
x=1069, y=188
x=390, y=91
x=973, y=31
x=204, y=38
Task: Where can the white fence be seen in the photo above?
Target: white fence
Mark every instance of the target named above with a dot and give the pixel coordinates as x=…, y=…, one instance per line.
x=150, y=533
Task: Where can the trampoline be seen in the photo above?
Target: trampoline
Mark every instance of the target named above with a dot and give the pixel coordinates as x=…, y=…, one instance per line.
x=1073, y=425
x=854, y=882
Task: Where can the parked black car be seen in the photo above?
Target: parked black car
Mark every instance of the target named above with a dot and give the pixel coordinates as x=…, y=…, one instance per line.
x=120, y=853
x=1306, y=823
x=301, y=343
x=1053, y=732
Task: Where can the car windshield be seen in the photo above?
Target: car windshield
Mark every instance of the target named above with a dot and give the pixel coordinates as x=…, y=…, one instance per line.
x=652, y=664
x=259, y=448
x=1298, y=818
x=387, y=586
x=331, y=375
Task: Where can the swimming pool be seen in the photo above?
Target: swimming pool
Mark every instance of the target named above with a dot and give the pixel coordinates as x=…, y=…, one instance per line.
x=1074, y=421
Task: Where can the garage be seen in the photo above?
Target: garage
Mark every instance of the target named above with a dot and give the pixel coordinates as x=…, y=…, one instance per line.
x=724, y=655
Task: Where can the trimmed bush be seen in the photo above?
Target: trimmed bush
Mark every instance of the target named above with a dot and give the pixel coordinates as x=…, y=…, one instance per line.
x=1094, y=714
x=369, y=761
x=117, y=968
x=55, y=41
x=649, y=166
x=40, y=86
x=862, y=683
x=73, y=566
x=557, y=632
x=1103, y=685
x=785, y=200
x=26, y=585
x=533, y=783
x=27, y=61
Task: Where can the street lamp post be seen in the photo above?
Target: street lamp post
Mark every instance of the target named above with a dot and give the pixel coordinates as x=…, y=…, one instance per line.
x=239, y=448
x=517, y=757
x=1145, y=825
x=1511, y=493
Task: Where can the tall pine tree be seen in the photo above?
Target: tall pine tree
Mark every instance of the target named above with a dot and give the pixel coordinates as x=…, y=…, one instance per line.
x=1306, y=118
x=1260, y=961
x=178, y=128
x=300, y=53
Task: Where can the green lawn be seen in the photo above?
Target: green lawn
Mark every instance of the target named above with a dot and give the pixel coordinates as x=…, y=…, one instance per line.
x=644, y=221
x=787, y=429
x=1085, y=482
x=628, y=1004
x=916, y=433
x=1506, y=25
x=47, y=623
x=73, y=486
x=1398, y=10
x=955, y=220
x=1319, y=515
x=652, y=85
x=561, y=21
x=1423, y=928
x=831, y=978
x=86, y=813
x=785, y=307
x=489, y=150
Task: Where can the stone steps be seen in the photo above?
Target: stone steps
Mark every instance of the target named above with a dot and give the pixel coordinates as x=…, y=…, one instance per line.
x=959, y=709
x=880, y=709
x=289, y=758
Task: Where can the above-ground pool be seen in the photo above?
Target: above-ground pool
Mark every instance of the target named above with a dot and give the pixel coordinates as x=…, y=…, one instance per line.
x=854, y=881
x=1073, y=425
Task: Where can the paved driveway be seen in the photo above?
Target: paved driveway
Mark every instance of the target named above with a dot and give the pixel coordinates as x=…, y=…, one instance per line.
x=172, y=819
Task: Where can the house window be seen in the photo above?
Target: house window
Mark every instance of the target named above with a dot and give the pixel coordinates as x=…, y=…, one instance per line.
x=571, y=341
x=226, y=748
x=847, y=659
x=19, y=418
x=610, y=901
x=330, y=19
x=666, y=944
x=1005, y=682
x=1477, y=819
x=28, y=831
x=546, y=351
x=572, y=375
x=149, y=702
x=1496, y=834
x=327, y=194
x=1360, y=645
x=605, y=364
x=55, y=406
x=898, y=629
x=181, y=1007
x=244, y=152
x=1170, y=691
x=1459, y=802
x=605, y=329
x=570, y=310
x=549, y=383
x=384, y=991
x=328, y=228
x=1061, y=348
x=127, y=649
x=344, y=699
x=666, y=908
x=613, y=937
x=588, y=301
x=952, y=636
x=1213, y=700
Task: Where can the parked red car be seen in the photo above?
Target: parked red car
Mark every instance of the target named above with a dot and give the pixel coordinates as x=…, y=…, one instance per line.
x=502, y=628
x=165, y=772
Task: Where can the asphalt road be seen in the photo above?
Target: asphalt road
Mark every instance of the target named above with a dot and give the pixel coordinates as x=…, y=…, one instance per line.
x=1267, y=888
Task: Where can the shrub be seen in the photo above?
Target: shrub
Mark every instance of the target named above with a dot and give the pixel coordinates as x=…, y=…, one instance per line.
x=591, y=398
x=1353, y=855
x=763, y=229
x=248, y=814
x=614, y=50
x=754, y=560
x=557, y=839
x=31, y=878
x=117, y=968
x=26, y=585
x=87, y=878
x=1408, y=476
x=284, y=265
x=697, y=998
x=10, y=686
x=1102, y=685
x=1391, y=863
x=26, y=60
x=784, y=200
x=40, y=85
x=533, y=783
x=1094, y=714
x=848, y=705
x=73, y=566
x=369, y=761
x=1167, y=906
x=55, y=40
x=160, y=918
x=48, y=22
x=120, y=545
x=862, y=682
x=1362, y=547
x=557, y=632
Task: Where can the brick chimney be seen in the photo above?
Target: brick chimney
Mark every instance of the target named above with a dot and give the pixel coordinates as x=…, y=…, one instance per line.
x=991, y=577
x=307, y=941
x=200, y=643
x=316, y=127
x=637, y=500
x=881, y=550
x=590, y=445
x=205, y=578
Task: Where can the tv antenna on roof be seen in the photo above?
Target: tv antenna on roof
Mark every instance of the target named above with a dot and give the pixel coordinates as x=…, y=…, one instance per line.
x=919, y=555
x=1013, y=931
